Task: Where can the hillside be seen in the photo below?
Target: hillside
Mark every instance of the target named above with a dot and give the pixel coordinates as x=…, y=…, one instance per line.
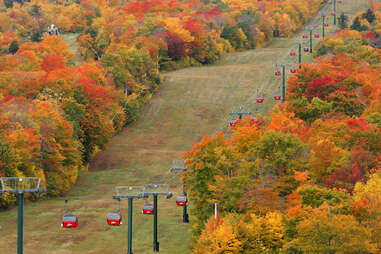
x=191, y=103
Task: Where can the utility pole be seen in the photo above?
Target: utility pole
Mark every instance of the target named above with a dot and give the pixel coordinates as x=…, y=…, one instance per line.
x=283, y=79
x=129, y=240
x=283, y=82
x=178, y=165
x=129, y=192
x=323, y=14
x=311, y=29
x=155, y=242
x=300, y=54
x=334, y=11
x=323, y=27
x=155, y=190
x=185, y=212
x=311, y=40
x=19, y=186
x=20, y=222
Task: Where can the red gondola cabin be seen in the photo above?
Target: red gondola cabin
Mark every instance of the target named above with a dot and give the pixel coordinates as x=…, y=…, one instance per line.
x=252, y=120
x=114, y=219
x=233, y=123
x=69, y=221
x=181, y=200
x=277, y=73
x=148, y=209
x=316, y=35
x=306, y=49
x=260, y=99
x=330, y=2
x=326, y=24
x=333, y=13
x=293, y=70
x=292, y=53
x=277, y=97
x=305, y=36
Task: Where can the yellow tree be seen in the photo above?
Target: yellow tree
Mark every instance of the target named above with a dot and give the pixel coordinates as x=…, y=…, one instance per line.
x=367, y=206
x=319, y=231
x=325, y=157
x=217, y=238
x=265, y=234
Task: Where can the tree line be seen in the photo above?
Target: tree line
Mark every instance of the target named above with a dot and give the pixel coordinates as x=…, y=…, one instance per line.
x=305, y=178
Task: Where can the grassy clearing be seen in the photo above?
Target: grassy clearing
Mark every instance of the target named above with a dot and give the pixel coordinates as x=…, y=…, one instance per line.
x=71, y=40
x=191, y=103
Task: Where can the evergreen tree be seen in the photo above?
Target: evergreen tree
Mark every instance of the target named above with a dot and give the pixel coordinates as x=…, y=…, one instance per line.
x=322, y=50
x=343, y=21
x=13, y=47
x=36, y=36
x=36, y=13
x=357, y=25
x=369, y=15
x=235, y=36
x=8, y=3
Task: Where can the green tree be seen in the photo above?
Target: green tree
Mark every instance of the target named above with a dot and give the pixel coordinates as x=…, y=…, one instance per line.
x=235, y=36
x=375, y=118
x=13, y=47
x=322, y=49
x=206, y=160
x=315, y=196
x=246, y=22
x=36, y=12
x=281, y=153
x=369, y=15
x=8, y=3
x=343, y=21
x=311, y=111
x=356, y=25
x=346, y=102
x=36, y=36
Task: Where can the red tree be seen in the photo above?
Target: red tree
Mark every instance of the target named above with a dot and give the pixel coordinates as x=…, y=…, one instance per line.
x=52, y=62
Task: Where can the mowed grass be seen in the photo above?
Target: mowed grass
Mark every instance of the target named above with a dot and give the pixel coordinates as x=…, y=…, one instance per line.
x=191, y=103
x=71, y=40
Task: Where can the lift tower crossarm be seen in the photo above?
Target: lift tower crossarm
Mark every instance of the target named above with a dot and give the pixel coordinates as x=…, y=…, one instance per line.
x=19, y=186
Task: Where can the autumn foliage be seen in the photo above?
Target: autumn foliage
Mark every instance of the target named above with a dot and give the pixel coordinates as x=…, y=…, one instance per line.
x=88, y=96
x=175, y=33
x=305, y=180
x=54, y=116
